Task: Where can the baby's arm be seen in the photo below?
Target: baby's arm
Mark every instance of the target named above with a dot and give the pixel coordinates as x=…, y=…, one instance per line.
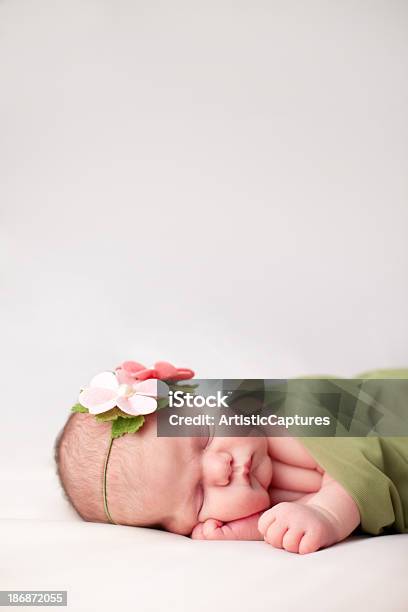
x=333, y=499
x=315, y=521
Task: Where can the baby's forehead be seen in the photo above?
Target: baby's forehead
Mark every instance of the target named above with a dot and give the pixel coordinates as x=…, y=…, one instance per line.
x=157, y=452
x=149, y=460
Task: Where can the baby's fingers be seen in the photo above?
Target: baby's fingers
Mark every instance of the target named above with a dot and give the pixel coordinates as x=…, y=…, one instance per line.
x=209, y=530
x=310, y=542
x=197, y=533
x=291, y=540
x=275, y=534
x=266, y=519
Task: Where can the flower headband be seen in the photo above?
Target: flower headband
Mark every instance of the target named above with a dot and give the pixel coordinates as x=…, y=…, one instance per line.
x=125, y=395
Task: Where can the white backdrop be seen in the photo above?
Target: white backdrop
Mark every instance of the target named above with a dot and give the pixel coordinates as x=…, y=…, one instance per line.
x=218, y=184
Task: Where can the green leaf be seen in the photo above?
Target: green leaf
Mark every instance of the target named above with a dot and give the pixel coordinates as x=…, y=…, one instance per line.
x=125, y=415
x=184, y=388
x=79, y=408
x=126, y=425
x=112, y=415
x=162, y=402
x=109, y=415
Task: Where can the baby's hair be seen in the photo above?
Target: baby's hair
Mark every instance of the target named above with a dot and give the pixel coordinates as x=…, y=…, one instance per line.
x=80, y=451
x=79, y=461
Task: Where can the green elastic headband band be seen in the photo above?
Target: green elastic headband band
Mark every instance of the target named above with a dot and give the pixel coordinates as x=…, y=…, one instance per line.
x=105, y=500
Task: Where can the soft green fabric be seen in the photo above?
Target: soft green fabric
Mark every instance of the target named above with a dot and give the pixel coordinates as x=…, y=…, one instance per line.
x=374, y=470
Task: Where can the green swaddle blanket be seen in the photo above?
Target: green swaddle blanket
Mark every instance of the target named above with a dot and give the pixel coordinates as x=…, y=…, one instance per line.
x=373, y=469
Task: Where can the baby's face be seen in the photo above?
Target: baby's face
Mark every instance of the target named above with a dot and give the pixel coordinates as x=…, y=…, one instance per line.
x=193, y=479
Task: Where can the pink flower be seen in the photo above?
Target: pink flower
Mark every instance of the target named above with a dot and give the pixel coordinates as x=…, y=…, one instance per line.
x=129, y=371
x=105, y=391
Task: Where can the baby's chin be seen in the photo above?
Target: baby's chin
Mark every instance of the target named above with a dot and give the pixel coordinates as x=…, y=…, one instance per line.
x=257, y=501
x=248, y=511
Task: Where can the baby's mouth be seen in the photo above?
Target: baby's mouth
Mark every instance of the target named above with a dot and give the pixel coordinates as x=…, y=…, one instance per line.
x=247, y=465
x=244, y=469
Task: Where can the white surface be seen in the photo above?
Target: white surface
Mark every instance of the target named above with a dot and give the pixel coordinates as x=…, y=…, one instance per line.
x=106, y=567
x=124, y=568
x=221, y=185
x=44, y=545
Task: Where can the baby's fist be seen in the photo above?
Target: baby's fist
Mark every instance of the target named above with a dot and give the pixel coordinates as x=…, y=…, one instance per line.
x=296, y=528
x=209, y=530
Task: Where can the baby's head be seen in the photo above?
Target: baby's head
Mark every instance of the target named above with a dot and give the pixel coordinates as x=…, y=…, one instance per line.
x=168, y=483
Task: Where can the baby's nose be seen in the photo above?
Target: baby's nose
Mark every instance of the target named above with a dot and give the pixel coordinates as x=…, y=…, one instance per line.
x=218, y=468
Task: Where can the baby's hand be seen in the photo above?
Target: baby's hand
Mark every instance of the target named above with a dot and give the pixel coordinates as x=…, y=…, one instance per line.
x=209, y=530
x=297, y=527
x=239, y=529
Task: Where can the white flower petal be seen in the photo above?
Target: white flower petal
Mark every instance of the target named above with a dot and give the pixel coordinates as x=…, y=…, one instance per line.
x=137, y=404
x=97, y=400
x=105, y=380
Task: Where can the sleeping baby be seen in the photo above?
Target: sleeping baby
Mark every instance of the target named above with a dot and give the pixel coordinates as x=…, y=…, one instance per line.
x=298, y=494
